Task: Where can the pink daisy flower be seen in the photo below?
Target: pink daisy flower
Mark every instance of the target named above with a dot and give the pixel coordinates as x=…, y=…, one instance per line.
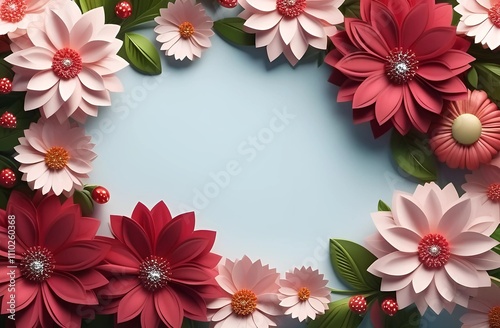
x=467, y=134
x=484, y=309
x=250, y=297
x=304, y=293
x=53, y=263
x=184, y=29
x=67, y=65
x=16, y=15
x=480, y=19
x=291, y=26
x=483, y=186
x=163, y=270
x=432, y=249
x=55, y=156
x=398, y=63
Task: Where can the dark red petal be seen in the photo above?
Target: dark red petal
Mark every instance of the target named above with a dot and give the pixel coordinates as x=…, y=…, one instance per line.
x=91, y=279
x=369, y=90
x=115, y=222
x=434, y=43
x=120, y=285
x=426, y=97
x=59, y=232
x=367, y=38
x=417, y=115
x=360, y=65
x=136, y=238
x=81, y=255
x=49, y=207
x=161, y=216
x=189, y=250
x=143, y=217
x=414, y=24
x=26, y=224
x=443, y=14
x=192, y=275
x=378, y=130
x=29, y=316
x=149, y=316
x=67, y=288
x=194, y=305
x=343, y=44
x=168, y=307
x=118, y=269
x=435, y=71
x=384, y=21
x=362, y=115
x=347, y=90
x=57, y=311
x=450, y=87
x=388, y=103
x=121, y=255
x=5, y=272
x=174, y=233
x=132, y=304
x=87, y=228
x=454, y=59
x=25, y=293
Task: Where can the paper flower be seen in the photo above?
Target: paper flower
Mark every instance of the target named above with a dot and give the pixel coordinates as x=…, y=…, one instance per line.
x=483, y=185
x=398, y=63
x=16, y=15
x=291, y=26
x=161, y=267
x=54, y=156
x=184, y=29
x=67, y=66
x=484, y=309
x=250, y=297
x=481, y=20
x=433, y=249
x=467, y=134
x=52, y=262
x=304, y=293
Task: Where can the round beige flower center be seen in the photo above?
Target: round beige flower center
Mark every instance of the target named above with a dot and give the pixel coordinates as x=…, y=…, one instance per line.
x=291, y=8
x=186, y=30
x=304, y=294
x=493, y=192
x=154, y=272
x=56, y=158
x=401, y=66
x=37, y=264
x=494, y=15
x=466, y=129
x=13, y=11
x=244, y=302
x=494, y=317
x=67, y=63
x=433, y=251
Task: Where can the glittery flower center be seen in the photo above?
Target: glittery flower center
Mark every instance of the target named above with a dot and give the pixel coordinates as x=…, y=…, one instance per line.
x=244, y=302
x=494, y=15
x=493, y=192
x=494, y=317
x=37, y=264
x=401, y=66
x=304, y=294
x=433, y=251
x=56, y=158
x=13, y=11
x=291, y=8
x=154, y=272
x=186, y=30
x=67, y=63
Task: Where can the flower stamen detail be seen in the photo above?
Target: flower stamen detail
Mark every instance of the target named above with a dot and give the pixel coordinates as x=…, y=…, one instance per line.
x=493, y=192
x=37, y=264
x=291, y=8
x=13, y=11
x=494, y=317
x=56, y=158
x=244, y=302
x=494, y=15
x=67, y=63
x=154, y=273
x=304, y=293
x=433, y=251
x=401, y=65
x=186, y=30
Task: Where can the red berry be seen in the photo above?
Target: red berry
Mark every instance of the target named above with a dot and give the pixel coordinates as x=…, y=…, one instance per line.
x=8, y=121
x=100, y=195
x=228, y=3
x=390, y=306
x=5, y=86
x=7, y=178
x=357, y=304
x=123, y=9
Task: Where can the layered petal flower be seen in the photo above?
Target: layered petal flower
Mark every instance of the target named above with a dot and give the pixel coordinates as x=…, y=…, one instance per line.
x=483, y=186
x=484, y=309
x=434, y=248
x=481, y=20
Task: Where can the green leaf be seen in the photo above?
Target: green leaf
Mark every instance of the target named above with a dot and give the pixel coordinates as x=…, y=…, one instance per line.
x=351, y=9
x=414, y=156
x=338, y=315
x=232, y=30
x=143, y=11
x=489, y=79
x=408, y=317
x=86, y=5
x=350, y=261
x=383, y=206
x=84, y=199
x=8, y=162
x=188, y=323
x=4, y=197
x=142, y=54
x=496, y=235
x=472, y=77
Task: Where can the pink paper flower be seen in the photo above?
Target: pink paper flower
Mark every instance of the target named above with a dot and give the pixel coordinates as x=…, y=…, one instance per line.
x=250, y=297
x=481, y=20
x=398, y=63
x=304, y=293
x=291, y=26
x=52, y=262
x=161, y=267
x=16, y=15
x=484, y=309
x=483, y=185
x=433, y=249
x=184, y=29
x=67, y=65
x=467, y=134
x=54, y=156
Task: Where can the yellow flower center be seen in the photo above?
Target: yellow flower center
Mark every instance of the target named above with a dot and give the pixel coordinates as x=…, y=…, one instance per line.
x=56, y=158
x=186, y=30
x=494, y=317
x=304, y=294
x=244, y=302
x=466, y=129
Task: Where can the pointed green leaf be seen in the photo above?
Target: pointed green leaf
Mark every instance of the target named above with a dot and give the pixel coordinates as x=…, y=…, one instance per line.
x=408, y=317
x=338, y=315
x=86, y=5
x=350, y=261
x=143, y=11
x=489, y=79
x=4, y=197
x=232, y=30
x=84, y=199
x=351, y=9
x=142, y=54
x=383, y=206
x=472, y=77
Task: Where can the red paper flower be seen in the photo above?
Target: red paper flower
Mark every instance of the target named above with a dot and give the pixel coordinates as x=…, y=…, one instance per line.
x=47, y=257
x=161, y=268
x=398, y=63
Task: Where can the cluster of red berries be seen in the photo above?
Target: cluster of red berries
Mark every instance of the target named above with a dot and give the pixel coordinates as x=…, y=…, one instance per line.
x=358, y=305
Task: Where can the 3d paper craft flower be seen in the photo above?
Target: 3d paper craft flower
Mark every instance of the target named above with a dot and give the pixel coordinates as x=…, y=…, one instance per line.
x=184, y=29
x=55, y=156
x=162, y=268
x=484, y=309
x=480, y=19
x=53, y=262
x=398, y=63
x=467, y=133
x=304, y=293
x=250, y=295
x=432, y=249
x=67, y=65
x=16, y=15
x=291, y=26
x=483, y=185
